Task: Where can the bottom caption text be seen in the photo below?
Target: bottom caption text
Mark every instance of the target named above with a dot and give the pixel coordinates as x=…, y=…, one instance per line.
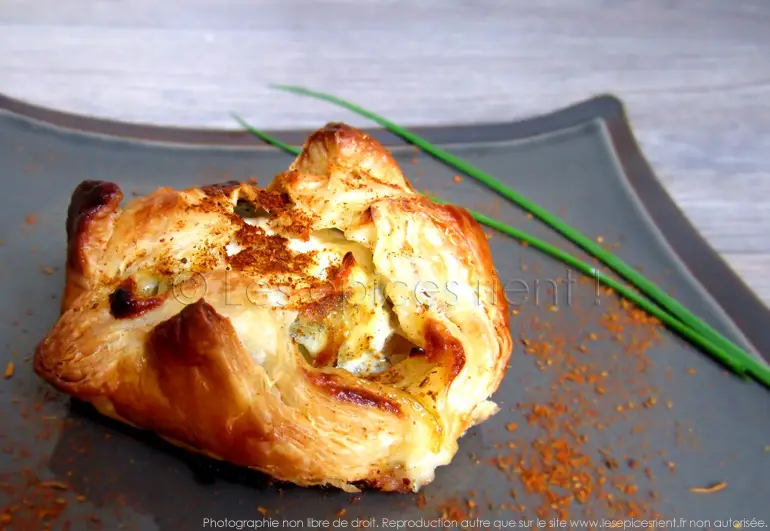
x=480, y=523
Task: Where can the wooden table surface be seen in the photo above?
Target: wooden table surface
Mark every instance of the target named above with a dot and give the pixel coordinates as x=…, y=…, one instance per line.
x=695, y=76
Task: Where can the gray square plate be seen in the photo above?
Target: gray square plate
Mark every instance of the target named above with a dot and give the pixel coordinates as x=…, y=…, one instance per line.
x=632, y=402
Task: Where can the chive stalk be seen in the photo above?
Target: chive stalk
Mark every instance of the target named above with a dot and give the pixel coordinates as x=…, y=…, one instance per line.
x=265, y=137
x=712, y=343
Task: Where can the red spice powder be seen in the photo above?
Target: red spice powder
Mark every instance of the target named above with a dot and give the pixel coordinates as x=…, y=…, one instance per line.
x=421, y=501
x=268, y=253
x=452, y=510
x=33, y=503
x=556, y=467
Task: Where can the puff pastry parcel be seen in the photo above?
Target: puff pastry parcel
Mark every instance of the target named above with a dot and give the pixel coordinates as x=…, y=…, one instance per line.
x=336, y=328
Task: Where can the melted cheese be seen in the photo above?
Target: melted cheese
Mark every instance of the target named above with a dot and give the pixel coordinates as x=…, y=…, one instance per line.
x=366, y=317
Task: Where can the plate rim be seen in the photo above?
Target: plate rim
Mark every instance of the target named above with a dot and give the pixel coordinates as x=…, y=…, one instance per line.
x=736, y=299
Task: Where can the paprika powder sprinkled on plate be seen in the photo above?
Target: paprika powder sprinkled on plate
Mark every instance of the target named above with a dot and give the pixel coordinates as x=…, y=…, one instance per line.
x=452, y=510
x=421, y=501
x=33, y=504
x=557, y=467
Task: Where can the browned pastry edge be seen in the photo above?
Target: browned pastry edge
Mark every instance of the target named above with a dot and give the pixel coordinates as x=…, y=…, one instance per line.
x=91, y=204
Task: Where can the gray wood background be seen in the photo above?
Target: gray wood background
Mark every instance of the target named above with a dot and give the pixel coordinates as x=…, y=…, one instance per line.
x=694, y=74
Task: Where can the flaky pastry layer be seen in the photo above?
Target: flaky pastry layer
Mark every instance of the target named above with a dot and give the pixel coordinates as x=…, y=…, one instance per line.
x=336, y=328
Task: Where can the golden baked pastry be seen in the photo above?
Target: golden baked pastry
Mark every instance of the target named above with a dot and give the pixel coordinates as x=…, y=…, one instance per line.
x=336, y=328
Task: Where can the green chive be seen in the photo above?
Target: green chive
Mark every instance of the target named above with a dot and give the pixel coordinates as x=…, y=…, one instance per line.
x=738, y=365
x=265, y=137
